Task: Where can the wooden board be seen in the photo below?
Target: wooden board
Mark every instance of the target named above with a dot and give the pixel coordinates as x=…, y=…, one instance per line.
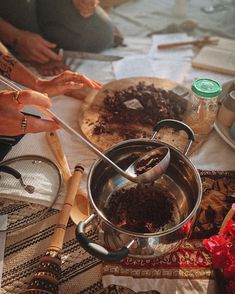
x=93, y=108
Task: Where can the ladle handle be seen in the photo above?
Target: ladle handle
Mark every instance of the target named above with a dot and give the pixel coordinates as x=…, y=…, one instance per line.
x=95, y=249
x=70, y=130
x=177, y=125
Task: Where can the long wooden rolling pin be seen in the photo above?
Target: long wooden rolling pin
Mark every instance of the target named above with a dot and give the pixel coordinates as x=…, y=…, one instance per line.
x=80, y=207
x=46, y=279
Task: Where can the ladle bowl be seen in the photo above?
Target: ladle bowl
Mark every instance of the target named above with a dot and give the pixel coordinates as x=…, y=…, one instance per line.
x=151, y=165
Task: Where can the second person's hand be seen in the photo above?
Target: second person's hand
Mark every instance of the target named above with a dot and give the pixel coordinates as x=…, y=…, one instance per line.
x=86, y=7
x=65, y=82
x=35, y=48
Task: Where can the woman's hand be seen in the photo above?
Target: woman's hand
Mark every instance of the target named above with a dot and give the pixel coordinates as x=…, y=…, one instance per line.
x=33, y=47
x=86, y=7
x=65, y=82
x=13, y=122
x=51, y=68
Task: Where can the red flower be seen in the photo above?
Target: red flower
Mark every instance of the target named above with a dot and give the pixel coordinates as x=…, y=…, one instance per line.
x=229, y=229
x=222, y=250
x=216, y=245
x=219, y=259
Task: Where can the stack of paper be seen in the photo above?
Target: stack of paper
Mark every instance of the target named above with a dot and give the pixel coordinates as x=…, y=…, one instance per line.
x=219, y=58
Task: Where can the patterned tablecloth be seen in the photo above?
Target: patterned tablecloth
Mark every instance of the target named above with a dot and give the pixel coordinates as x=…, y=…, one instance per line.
x=187, y=270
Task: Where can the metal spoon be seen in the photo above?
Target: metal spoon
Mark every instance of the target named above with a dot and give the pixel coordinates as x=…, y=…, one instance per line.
x=149, y=176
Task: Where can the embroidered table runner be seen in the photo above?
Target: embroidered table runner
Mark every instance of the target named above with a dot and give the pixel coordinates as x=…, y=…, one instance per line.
x=187, y=270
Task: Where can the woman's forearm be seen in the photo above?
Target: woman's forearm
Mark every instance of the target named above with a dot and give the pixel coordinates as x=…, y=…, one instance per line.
x=8, y=33
x=13, y=69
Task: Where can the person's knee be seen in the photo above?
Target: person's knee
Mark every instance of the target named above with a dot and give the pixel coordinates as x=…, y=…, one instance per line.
x=71, y=31
x=93, y=34
x=98, y=32
x=90, y=41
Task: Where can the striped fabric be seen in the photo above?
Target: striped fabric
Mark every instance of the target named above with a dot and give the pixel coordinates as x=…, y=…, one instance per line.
x=81, y=273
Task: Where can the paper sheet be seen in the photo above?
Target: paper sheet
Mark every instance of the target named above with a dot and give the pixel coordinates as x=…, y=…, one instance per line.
x=173, y=53
x=141, y=65
x=133, y=66
x=175, y=71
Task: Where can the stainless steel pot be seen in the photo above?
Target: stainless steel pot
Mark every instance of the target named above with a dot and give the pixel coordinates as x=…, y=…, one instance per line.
x=181, y=180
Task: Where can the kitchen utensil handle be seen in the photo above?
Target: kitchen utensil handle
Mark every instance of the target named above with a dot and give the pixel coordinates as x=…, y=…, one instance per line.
x=95, y=249
x=55, y=145
x=177, y=44
x=177, y=125
x=73, y=185
x=10, y=170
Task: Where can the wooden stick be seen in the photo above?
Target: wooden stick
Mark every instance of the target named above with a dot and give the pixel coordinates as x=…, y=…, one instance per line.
x=72, y=189
x=195, y=42
x=80, y=209
x=46, y=279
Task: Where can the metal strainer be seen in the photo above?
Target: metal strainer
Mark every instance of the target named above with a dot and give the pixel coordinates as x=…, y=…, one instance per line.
x=29, y=187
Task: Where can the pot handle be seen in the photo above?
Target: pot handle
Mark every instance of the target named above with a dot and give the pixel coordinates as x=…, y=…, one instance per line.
x=178, y=125
x=96, y=249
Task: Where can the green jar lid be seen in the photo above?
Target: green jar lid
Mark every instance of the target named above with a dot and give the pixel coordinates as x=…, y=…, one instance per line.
x=206, y=88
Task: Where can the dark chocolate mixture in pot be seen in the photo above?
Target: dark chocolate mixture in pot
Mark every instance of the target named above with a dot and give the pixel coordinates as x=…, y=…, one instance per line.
x=144, y=165
x=141, y=104
x=141, y=209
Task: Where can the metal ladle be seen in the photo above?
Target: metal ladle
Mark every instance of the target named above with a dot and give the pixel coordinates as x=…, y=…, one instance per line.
x=149, y=176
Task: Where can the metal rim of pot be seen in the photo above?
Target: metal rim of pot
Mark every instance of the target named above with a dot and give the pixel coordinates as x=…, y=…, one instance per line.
x=98, y=250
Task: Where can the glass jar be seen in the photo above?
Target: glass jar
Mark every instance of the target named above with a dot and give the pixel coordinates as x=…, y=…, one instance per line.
x=202, y=106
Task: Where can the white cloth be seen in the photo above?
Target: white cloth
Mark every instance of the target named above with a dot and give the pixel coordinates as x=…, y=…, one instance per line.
x=164, y=286
x=40, y=177
x=215, y=154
